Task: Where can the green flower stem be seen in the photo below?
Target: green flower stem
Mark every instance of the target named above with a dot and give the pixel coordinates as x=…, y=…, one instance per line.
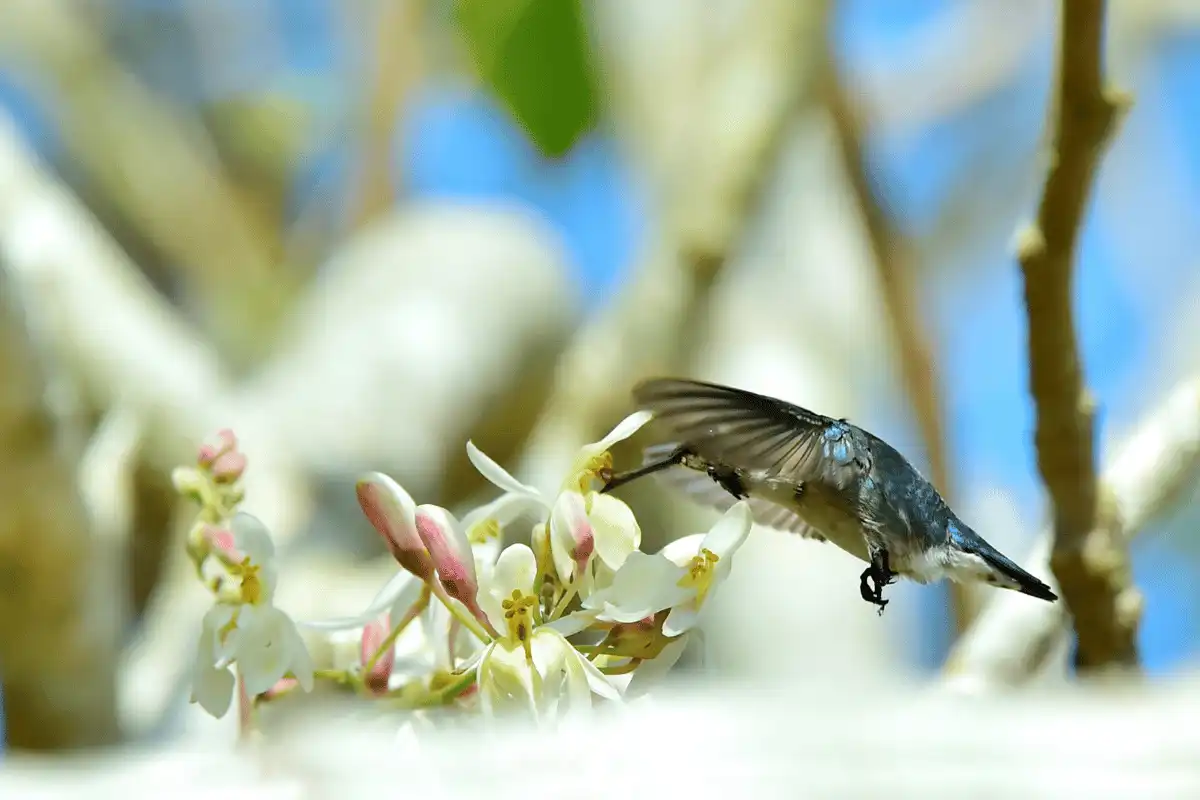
x=245, y=707
x=561, y=607
x=413, y=696
x=458, y=687
x=413, y=612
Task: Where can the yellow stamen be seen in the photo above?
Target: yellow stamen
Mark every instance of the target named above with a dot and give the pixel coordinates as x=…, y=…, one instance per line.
x=484, y=530
x=518, y=618
x=699, y=574
x=591, y=470
x=252, y=588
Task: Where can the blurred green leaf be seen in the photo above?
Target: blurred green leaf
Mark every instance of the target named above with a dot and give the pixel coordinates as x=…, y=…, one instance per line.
x=534, y=56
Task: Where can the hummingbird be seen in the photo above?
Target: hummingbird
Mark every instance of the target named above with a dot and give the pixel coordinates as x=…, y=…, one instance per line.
x=821, y=478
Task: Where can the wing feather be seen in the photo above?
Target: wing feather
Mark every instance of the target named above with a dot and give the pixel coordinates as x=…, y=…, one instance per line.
x=704, y=491
x=755, y=432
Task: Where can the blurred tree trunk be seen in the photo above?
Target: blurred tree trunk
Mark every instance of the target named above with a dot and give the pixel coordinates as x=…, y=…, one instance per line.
x=59, y=620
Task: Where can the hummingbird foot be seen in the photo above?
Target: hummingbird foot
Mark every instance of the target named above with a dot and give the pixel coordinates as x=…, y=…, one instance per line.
x=728, y=479
x=880, y=574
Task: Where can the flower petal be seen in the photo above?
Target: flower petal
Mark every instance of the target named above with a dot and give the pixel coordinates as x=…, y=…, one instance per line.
x=652, y=671
x=251, y=538
x=682, y=550
x=220, y=642
x=504, y=510
x=212, y=689
x=624, y=429
x=598, y=682
x=730, y=531
x=577, y=685
x=549, y=650
x=681, y=619
x=572, y=539
x=450, y=550
x=644, y=585
x=616, y=529
x=400, y=586
x=515, y=570
x=266, y=647
x=393, y=514
x=496, y=474
x=300, y=663
x=505, y=676
x=575, y=622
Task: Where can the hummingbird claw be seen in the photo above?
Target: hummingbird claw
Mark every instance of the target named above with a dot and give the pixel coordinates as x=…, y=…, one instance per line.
x=879, y=572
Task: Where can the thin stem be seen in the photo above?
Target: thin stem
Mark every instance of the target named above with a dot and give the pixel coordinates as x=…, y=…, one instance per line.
x=461, y=614
x=451, y=641
x=458, y=687
x=245, y=708
x=388, y=643
x=561, y=606
x=596, y=649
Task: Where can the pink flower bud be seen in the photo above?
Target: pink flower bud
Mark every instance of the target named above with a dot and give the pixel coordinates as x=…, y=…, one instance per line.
x=572, y=538
x=450, y=551
x=228, y=467
x=225, y=442
x=222, y=540
x=373, y=635
x=392, y=513
x=281, y=687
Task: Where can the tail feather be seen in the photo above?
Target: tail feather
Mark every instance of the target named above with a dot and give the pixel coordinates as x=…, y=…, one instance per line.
x=1026, y=583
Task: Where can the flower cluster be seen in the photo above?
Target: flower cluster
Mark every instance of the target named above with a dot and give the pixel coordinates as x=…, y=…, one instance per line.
x=234, y=555
x=579, y=613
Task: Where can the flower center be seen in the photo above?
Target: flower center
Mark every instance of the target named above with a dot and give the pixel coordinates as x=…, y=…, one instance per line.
x=518, y=616
x=252, y=588
x=591, y=469
x=699, y=574
x=484, y=530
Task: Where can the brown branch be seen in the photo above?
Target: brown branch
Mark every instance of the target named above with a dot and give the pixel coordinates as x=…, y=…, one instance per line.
x=1154, y=469
x=395, y=29
x=155, y=172
x=60, y=607
x=1088, y=561
x=711, y=200
x=892, y=254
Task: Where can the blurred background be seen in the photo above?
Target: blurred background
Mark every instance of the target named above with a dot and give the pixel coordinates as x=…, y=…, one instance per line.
x=361, y=232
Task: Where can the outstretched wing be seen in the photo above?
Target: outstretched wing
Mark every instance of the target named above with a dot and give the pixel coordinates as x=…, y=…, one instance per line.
x=756, y=432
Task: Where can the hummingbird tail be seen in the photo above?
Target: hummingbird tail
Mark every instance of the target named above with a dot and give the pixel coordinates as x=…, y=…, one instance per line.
x=1024, y=582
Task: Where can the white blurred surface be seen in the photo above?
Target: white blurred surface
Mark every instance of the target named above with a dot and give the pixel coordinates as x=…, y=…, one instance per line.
x=718, y=740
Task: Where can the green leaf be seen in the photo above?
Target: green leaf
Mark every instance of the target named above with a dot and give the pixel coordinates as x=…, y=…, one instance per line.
x=534, y=55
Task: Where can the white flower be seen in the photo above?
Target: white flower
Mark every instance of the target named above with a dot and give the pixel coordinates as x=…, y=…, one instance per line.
x=683, y=577
x=529, y=665
x=583, y=522
x=246, y=628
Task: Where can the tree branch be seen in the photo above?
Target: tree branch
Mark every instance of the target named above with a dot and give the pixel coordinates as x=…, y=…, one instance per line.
x=709, y=204
x=159, y=173
x=892, y=254
x=1087, y=560
x=1157, y=465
